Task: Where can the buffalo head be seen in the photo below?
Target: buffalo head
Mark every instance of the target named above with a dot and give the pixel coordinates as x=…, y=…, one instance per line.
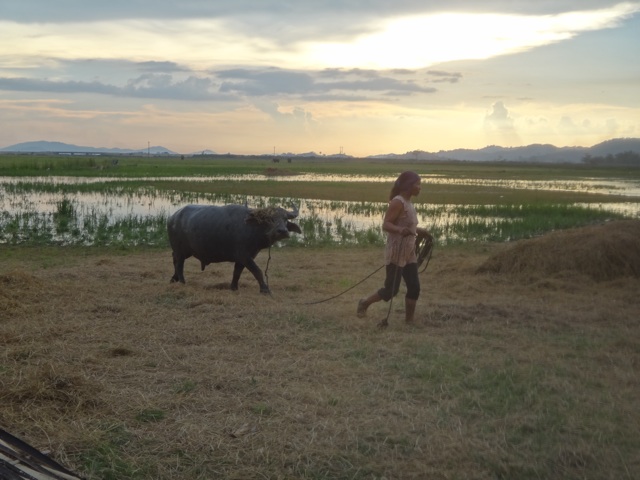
x=275, y=221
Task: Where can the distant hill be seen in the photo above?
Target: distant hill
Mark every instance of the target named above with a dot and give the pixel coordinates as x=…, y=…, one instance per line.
x=615, y=146
x=530, y=153
x=59, y=147
x=537, y=153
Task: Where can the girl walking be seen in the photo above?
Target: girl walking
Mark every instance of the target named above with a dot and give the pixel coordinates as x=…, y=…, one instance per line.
x=401, y=225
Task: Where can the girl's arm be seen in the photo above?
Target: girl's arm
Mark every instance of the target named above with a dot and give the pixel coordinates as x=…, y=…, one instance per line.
x=391, y=217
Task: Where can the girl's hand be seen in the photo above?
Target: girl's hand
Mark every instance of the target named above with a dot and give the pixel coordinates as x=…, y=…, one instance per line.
x=423, y=232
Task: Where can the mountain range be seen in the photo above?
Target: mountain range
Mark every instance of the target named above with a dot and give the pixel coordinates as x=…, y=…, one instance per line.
x=43, y=146
x=542, y=153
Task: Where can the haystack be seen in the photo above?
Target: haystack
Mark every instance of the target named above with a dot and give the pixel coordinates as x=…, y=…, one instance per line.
x=603, y=252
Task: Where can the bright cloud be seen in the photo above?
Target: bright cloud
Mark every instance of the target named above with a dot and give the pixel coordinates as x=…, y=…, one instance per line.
x=416, y=42
x=408, y=42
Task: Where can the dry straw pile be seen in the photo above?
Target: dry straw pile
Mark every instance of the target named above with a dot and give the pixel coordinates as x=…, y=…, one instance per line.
x=602, y=252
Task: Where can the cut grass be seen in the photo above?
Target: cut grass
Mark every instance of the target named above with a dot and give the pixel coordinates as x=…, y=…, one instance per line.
x=505, y=376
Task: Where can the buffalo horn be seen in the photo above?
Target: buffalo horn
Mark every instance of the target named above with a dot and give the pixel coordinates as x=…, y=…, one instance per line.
x=294, y=213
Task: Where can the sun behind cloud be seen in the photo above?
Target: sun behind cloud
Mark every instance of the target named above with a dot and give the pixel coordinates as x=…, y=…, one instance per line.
x=421, y=41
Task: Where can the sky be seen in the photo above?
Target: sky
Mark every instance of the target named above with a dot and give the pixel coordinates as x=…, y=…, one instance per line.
x=327, y=76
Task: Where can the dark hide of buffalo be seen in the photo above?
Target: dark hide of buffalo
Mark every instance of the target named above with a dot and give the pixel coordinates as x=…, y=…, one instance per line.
x=232, y=233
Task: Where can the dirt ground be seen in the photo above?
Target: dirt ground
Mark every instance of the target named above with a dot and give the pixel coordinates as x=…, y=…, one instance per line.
x=527, y=372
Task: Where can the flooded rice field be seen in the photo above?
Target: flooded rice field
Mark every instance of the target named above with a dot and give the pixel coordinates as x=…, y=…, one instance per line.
x=585, y=185
x=104, y=211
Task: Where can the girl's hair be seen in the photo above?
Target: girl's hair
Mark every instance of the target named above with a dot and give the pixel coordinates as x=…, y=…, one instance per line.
x=403, y=183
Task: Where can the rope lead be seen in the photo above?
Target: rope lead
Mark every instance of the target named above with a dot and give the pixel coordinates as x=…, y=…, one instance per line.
x=424, y=248
x=348, y=289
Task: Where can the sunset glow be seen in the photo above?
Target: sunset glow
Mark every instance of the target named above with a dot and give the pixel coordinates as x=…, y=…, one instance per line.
x=315, y=78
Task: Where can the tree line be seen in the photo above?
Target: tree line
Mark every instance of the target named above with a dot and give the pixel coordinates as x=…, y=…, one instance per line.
x=622, y=159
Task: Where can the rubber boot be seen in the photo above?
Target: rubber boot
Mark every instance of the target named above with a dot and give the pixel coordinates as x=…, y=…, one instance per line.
x=410, y=309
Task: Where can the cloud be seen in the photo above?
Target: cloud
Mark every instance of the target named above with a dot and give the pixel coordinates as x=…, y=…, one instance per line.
x=159, y=86
x=297, y=117
x=35, y=85
x=566, y=125
x=163, y=86
x=612, y=127
x=265, y=82
x=336, y=82
x=441, y=76
x=500, y=126
x=300, y=34
x=608, y=127
x=402, y=41
x=81, y=10
x=110, y=64
x=499, y=117
x=155, y=67
x=226, y=84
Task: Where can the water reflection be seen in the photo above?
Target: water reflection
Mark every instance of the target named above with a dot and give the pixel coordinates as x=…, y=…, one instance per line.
x=34, y=208
x=624, y=187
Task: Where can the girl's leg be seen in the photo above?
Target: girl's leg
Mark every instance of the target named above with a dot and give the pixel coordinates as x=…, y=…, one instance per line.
x=412, y=280
x=410, y=309
x=390, y=289
x=364, y=303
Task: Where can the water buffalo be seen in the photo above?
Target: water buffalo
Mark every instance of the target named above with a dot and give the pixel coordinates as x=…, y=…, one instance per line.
x=232, y=233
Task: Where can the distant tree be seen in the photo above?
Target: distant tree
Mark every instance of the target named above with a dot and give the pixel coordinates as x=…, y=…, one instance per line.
x=623, y=159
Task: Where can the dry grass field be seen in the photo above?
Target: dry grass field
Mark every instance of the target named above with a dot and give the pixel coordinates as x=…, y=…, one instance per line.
x=523, y=363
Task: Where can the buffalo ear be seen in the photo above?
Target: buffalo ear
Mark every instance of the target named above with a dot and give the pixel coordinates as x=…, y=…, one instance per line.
x=293, y=227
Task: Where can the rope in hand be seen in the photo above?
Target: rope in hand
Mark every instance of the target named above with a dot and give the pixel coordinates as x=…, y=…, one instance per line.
x=266, y=272
x=424, y=249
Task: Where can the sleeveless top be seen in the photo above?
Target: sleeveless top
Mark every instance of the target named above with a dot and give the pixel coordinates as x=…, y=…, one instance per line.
x=401, y=250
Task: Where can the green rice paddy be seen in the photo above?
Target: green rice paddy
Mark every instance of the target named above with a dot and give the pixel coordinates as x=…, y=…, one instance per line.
x=125, y=201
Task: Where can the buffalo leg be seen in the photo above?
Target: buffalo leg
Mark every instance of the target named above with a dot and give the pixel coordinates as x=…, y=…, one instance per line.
x=237, y=271
x=178, y=268
x=257, y=273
